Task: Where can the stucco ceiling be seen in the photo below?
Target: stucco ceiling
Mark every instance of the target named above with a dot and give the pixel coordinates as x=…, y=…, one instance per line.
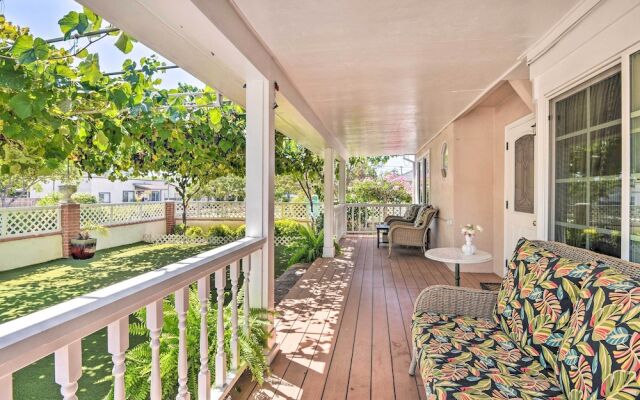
x=386, y=75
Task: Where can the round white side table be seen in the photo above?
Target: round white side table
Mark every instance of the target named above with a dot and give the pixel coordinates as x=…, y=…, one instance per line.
x=454, y=255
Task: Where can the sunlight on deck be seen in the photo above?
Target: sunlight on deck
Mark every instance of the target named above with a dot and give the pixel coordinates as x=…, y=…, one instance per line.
x=344, y=329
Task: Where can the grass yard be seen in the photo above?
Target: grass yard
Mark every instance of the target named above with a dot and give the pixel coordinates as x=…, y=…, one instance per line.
x=29, y=289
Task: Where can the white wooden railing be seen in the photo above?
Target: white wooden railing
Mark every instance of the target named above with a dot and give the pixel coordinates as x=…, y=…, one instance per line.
x=363, y=217
x=235, y=210
x=25, y=221
x=60, y=329
x=121, y=213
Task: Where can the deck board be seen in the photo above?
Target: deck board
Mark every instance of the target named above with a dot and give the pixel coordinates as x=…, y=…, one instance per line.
x=344, y=330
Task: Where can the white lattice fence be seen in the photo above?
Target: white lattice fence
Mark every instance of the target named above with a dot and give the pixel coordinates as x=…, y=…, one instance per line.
x=24, y=221
x=235, y=210
x=120, y=213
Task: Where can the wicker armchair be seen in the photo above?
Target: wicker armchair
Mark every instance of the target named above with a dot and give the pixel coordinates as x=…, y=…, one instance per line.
x=412, y=234
x=442, y=299
x=409, y=216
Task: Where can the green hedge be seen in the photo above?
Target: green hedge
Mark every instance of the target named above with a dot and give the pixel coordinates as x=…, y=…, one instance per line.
x=284, y=227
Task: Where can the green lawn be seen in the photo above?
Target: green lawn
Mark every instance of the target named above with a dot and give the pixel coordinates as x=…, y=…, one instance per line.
x=29, y=289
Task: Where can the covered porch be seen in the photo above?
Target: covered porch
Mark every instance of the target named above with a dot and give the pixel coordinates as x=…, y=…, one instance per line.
x=344, y=330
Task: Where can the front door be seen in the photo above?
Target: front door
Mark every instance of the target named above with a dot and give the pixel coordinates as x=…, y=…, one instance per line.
x=519, y=183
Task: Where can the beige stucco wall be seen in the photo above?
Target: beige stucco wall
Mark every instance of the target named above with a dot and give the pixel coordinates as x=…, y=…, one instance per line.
x=442, y=190
x=473, y=191
x=127, y=234
x=29, y=251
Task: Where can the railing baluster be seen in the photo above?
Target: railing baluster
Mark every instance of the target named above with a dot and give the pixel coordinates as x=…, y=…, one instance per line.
x=234, y=271
x=68, y=369
x=204, y=376
x=221, y=358
x=154, y=324
x=118, y=343
x=6, y=387
x=182, y=306
x=246, y=270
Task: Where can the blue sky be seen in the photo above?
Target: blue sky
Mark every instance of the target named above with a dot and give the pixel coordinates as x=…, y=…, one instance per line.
x=42, y=16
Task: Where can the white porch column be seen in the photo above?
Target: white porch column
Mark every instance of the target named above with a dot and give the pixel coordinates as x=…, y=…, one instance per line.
x=328, y=250
x=416, y=177
x=342, y=195
x=260, y=176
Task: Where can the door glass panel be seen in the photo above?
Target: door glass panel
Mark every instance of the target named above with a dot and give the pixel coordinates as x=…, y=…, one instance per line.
x=634, y=248
x=524, y=174
x=588, y=167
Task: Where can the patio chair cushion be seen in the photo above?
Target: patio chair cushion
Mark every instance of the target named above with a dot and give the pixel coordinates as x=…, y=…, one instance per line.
x=471, y=358
x=599, y=356
x=536, y=299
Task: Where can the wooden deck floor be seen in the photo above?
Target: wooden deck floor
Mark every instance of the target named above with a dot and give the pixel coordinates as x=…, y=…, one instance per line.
x=344, y=329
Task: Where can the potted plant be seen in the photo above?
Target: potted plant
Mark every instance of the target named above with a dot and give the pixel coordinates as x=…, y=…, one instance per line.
x=84, y=246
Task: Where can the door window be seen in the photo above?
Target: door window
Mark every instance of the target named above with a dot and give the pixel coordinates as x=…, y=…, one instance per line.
x=523, y=195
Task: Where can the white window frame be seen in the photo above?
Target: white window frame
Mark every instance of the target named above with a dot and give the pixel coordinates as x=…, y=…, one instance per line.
x=128, y=191
x=545, y=210
x=103, y=193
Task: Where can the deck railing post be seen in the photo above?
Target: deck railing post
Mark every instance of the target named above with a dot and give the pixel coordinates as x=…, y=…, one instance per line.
x=154, y=324
x=117, y=345
x=204, y=375
x=182, y=307
x=234, y=272
x=221, y=357
x=6, y=387
x=68, y=369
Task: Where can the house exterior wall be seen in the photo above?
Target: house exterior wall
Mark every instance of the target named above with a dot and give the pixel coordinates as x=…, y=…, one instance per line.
x=98, y=184
x=473, y=191
x=598, y=41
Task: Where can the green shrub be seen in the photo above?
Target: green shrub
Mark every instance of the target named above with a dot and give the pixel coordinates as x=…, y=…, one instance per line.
x=179, y=229
x=84, y=198
x=251, y=347
x=194, y=231
x=241, y=231
x=309, y=246
x=220, y=231
x=50, y=200
x=286, y=227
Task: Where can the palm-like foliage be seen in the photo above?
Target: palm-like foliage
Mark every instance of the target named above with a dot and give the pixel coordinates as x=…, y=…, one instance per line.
x=309, y=246
x=251, y=347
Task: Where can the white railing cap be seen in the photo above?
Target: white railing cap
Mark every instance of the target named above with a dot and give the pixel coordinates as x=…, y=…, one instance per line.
x=34, y=336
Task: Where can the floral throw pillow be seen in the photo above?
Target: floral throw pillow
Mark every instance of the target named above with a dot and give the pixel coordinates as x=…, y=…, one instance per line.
x=599, y=357
x=536, y=299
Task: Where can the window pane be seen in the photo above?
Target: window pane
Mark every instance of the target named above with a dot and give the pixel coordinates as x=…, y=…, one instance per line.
x=571, y=114
x=635, y=159
x=588, y=168
x=524, y=174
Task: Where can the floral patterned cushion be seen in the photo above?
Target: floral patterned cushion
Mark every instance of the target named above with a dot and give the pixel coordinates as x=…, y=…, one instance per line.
x=536, y=299
x=470, y=358
x=599, y=356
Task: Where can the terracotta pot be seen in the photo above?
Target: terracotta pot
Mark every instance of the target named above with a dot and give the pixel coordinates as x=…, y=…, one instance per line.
x=82, y=249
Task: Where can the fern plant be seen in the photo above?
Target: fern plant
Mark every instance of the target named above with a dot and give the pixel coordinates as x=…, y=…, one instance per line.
x=309, y=246
x=251, y=347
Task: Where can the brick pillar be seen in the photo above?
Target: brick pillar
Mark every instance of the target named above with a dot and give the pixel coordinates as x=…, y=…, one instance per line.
x=170, y=216
x=70, y=221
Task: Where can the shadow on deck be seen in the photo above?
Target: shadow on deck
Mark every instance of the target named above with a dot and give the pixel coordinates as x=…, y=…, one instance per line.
x=344, y=330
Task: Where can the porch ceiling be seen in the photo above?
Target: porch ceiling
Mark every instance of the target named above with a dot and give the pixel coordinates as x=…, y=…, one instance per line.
x=385, y=76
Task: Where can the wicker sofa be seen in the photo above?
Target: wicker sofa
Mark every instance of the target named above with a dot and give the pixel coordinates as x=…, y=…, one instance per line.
x=565, y=325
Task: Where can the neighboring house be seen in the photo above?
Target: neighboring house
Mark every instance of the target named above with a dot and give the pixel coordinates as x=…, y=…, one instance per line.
x=106, y=191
